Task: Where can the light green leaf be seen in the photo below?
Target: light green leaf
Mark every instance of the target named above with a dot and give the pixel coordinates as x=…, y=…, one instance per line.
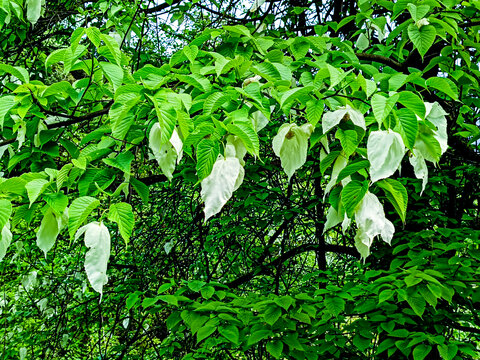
x=94, y=34
x=417, y=303
x=113, y=73
x=48, y=231
x=141, y=189
x=122, y=161
x=444, y=85
x=5, y=212
x=246, y=132
x=6, y=103
x=427, y=145
x=412, y=102
x=382, y=106
x=314, y=111
x=352, y=168
x=205, y=332
x=34, y=10
x=197, y=81
x=396, y=194
x=113, y=48
x=207, y=154
x=122, y=214
x=352, y=195
x=17, y=71
x=97, y=239
x=422, y=38
x=78, y=212
x=230, y=333
x=272, y=71
x=335, y=305
x=385, y=150
x=215, y=101
x=408, y=124
x=289, y=97
x=275, y=348
x=191, y=52
x=167, y=119
x=291, y=145
x=348, y=140
x=35, y=188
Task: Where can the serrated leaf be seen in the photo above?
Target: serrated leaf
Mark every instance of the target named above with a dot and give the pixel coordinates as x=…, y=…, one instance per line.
x=290, y=96
x=422, y=38
x=122, y=214
x=141, y=189
x=272, y=71
x=382, y=106
x=246, y=132
x=352, y=195
x=272, y=314
x=348, y=140
x=197, y=81
x=444, y=85
x=335, y=305
x=412, y=102
x=230, y=333
x=5, y=240
x=48, y=231
x=5, y=212
x=35, y=188
x=122, y=161
x=314, y=111
x=215, y=101
x=113, y=73
x=408, y=123
x=205, y=332
x=417, y=303
x=78, y=212
x=275, y=348
x=207, y=154
x=6, y=103
x=352, y=168
x=396, y=194
x=113, y=48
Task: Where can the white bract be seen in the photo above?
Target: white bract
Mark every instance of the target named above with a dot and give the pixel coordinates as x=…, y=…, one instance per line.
x=291, y=145
x=385, y=150
x=97, y=239
x=419, y=167
x=339, y=164
x=333, y=118
x=5, y=240
x=166, y=154
x=436, y=115
x=371, y=222
x=226, y=177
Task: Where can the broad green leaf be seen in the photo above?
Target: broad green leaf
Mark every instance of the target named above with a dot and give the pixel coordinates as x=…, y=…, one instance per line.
x=272, y=314
x=352, y=195
x=78, y=212
x=334, y=304
x=191, y=52
x=230, y=333
x=382, y=106
x=396, y=194
x=207, y=154
x=35, y=188
x=205, y=332
x=215, y=101
x=444, y=85
x=122, y=214
x=352, y=168
x=167, y=119
x=141, y=189
x=17, y=71
x=258, y=336
x=63, y=175
x=132, y=299
x=272, y=71
x=447, y=352
x=291, y=145
x=93, y=35
x=417, y=303
x=314, y=111
x=122, y=114
x=48, y=231
x=34, y=9
x=348, y=140
x=436, y=115
x=427, y=145
x=122, y=161
x=57, y=201
x=422, y=38
x=412, y=102
x=238, y=29
x=113, y=73
x=97, y=239
x=246, y=132
x=275, y=348
x=408, y=124
x=418, y=12
x=218, y=187
x=385, y=150
x=113, y=48
x=197, y=81
x=5, y=240
x=290, y=96
x=284, y=301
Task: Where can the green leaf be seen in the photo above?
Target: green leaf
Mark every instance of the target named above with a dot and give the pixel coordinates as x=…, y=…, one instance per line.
x=417, y=303
x=93, y=34
x=382, y=106
x=396, y=194
x=258, y=336
x=207, y=292
x=5, y=212
x=421, y=351
x=272, y=71
x=385, y=295
x=230, y=333
x=35, y=188
x=408, y=124
x=167, y=118
x=141, y=189
x=335, y=305
x=412, y=102
x=122, y=214
x=205, y=332
x=207, y=153
x=57, y=201
x=348, y=140
x=422, y=38
x=246, y=132
x=290, y=96
x=122, y=161
x=352, y=168
x=113, y=48
x=197, y=81
x=447, y=352
x=272, y=314
x=132, y=299
x=78, y=212
x=215, y=101
x=17, y=71
x=314, y=111
x=275, y=348
x=284, y=301
x=352, y=195
x=113, y=73
x=444, y=85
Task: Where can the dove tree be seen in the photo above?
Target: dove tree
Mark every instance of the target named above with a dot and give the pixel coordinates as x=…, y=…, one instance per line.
x=314, y=162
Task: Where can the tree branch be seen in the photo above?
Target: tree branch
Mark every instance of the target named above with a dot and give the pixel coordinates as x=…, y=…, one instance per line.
x=382, y=59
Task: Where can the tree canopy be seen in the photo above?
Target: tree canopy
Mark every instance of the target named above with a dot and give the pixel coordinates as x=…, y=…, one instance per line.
x=287, y=179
